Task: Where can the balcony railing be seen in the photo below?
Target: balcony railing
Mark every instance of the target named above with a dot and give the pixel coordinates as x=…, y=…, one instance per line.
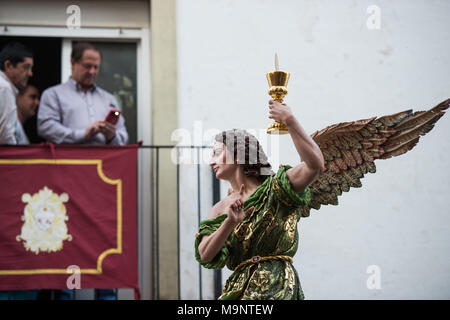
x=156, y=214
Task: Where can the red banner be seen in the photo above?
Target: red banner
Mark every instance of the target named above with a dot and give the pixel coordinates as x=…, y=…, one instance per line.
x=68, y=217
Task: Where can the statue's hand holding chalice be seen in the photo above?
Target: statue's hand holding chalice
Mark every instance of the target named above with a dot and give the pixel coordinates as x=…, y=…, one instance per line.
x=277, y=90
x=279, y=112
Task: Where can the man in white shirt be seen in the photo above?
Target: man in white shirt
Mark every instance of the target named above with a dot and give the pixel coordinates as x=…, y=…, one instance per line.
x=73, y=112
x=16, y=63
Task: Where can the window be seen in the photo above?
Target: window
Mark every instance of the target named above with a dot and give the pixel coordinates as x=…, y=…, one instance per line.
x=118, y=76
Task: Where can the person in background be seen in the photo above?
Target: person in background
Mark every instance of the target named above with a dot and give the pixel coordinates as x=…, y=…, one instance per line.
x=74, y=111
x=16, y=64
x=27, y=105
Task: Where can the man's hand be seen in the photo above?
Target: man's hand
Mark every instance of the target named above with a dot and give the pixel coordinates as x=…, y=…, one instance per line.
x=91, y=131
x=108, y=130
x=279, y=111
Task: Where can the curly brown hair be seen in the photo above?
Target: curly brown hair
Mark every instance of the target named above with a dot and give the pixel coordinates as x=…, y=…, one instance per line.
x=247, y=151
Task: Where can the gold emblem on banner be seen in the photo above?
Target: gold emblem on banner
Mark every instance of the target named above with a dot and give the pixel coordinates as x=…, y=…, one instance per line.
x=45, y=219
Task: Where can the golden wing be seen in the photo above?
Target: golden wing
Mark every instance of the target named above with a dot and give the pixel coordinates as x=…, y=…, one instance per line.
x=350, y=149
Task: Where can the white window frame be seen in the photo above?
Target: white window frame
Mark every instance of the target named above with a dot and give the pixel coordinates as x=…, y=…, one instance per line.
x=142, y=38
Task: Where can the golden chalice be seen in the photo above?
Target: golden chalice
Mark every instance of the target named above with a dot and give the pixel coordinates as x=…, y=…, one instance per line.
x=277, y=90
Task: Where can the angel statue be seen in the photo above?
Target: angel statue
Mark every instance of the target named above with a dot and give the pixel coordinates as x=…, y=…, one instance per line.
x=253, y=230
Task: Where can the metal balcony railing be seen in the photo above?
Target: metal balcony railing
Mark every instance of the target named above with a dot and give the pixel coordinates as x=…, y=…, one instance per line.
x=156, y=215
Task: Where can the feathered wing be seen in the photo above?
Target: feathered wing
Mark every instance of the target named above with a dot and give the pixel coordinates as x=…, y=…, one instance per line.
x=350, y=149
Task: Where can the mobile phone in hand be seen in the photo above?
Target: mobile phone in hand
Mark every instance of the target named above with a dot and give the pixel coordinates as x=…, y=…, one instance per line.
x=113, y=116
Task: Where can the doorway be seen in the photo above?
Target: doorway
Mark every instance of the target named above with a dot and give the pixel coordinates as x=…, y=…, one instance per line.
x=46, y=70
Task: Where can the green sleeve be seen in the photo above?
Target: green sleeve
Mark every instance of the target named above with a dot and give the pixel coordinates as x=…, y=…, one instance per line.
x=284, y=192
x=208, y=227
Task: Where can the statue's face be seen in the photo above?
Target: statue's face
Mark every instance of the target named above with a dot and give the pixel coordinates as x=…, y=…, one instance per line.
x=222, y=162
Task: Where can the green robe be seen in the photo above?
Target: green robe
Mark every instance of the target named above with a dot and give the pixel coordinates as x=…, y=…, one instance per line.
x=270, y=230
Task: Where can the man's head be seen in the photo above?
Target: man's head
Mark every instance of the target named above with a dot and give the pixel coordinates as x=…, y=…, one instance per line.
x=85, y=60
x=27, y=102
x=16, y=61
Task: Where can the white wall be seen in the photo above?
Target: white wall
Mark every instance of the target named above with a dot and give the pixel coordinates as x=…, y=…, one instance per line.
x=340, y=71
